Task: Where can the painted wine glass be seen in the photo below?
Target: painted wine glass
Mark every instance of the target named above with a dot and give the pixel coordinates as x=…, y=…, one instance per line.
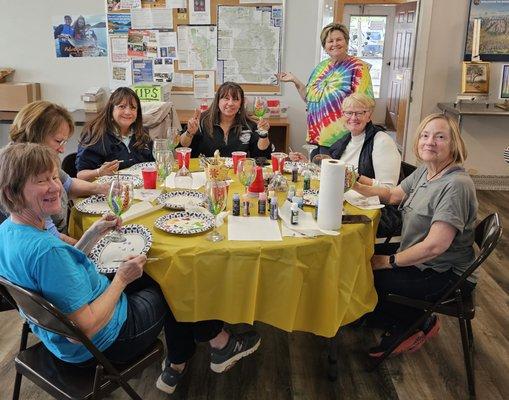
x=217, y=195
x=246, y=171
x=120, y=197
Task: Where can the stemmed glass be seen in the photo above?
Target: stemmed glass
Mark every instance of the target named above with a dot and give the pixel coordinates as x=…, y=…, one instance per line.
x=163, y=155
x=309, y=166
x=260, y=109
x=350, y=176
x=246, y=171
x=278, y=182
x=120, y=197
x=217, y=194
x=317, y=161
x=183, y=177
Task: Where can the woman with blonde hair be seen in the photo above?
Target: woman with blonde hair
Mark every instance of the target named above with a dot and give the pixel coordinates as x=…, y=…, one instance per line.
x=331, y=81
x=51, y=125
x=439, y=208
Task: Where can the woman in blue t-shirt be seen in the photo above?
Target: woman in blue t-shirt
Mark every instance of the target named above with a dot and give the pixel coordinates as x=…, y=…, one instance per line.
x=121, y=321
x=115, y=138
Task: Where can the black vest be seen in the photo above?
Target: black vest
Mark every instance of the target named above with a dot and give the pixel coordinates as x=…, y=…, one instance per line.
x=366, y=157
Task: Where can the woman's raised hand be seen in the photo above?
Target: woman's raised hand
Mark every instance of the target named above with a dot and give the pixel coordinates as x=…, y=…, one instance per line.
x=263, y=125
x=286, y=77
x=194, y=122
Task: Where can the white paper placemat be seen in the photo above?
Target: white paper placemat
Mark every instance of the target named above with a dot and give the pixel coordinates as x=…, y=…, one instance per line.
x=366, y=203
x=253, y=228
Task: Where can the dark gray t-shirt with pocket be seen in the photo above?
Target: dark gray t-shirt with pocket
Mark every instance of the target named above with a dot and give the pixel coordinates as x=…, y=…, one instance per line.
x=451, y=199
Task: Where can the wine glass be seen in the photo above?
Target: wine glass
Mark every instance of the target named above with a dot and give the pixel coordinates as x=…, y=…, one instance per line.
x=120, y=197
x=183, y=177
x=173, y=136
x=309, y=166
x=278, y=182
x=350, y=176
x=164, y=164
x=217, y=195
x=246, y=171
x=160, y=145
x=260, y=109
x=317, y=161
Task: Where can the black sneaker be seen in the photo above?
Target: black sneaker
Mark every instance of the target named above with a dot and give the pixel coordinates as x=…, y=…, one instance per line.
x=169, y=378
x=238, y=346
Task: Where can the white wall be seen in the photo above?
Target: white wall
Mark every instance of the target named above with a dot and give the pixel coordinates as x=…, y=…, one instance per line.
x=26, y=44
x=437, y=78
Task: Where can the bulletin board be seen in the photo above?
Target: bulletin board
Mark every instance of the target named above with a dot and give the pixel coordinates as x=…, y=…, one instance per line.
x=240, y=27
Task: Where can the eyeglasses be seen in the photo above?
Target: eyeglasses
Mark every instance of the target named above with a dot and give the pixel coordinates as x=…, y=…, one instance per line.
x=61, y=143
x=350, y=114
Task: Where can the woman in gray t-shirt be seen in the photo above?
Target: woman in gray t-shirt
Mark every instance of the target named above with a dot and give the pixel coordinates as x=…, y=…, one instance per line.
x=439, y=209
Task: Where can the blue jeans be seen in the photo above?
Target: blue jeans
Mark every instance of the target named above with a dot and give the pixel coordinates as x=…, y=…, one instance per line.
x=427, y=285
x=148, y=313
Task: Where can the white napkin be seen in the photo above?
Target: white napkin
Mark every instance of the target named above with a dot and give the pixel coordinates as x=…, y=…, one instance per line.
x=146, y=194
x=253, y=228
x=366, y=203
x=307, y=224
x=199, y=180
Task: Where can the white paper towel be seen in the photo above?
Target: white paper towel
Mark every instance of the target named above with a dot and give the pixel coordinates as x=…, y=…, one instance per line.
x=330, y=197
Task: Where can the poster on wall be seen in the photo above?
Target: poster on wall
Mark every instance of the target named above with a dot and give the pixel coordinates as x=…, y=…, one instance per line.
x=494, y=40
x=80, y=35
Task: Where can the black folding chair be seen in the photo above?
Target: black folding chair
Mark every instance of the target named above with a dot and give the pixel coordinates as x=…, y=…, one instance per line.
x=63, y=380
x=69, y=165
x=453, y=302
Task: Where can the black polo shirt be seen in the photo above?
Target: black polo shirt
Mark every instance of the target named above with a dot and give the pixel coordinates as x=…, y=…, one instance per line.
x=247, y=141
x=110, y=148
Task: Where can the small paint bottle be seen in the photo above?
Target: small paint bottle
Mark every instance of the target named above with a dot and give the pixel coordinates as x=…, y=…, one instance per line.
x=236, y=205
x=300, y=198
x=269, y=199
x=306, y=176
x=262, y=203
x=294, y=214
x=273, y=209
x=295, y=173
x=245, y=206
x=291, y=192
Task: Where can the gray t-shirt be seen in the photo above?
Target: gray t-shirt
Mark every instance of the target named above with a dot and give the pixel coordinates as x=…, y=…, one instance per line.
x=450, y=198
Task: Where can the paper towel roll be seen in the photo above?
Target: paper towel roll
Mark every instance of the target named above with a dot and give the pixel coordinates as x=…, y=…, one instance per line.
x=330, y=197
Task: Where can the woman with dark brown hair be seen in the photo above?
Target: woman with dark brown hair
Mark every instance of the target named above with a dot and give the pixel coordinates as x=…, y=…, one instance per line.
x=115, y=136
x=226, y=127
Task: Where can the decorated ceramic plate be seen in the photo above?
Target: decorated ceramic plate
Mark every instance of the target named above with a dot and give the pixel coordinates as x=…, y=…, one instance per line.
x=177, y=200
x=108, y=255
x=185, y=223
x=310, y=197
x=288, y=167
x=96, y=204
x=136, y=168
x=135, y=180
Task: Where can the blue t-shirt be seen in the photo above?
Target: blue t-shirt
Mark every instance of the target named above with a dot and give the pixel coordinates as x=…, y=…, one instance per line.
x=63, y=275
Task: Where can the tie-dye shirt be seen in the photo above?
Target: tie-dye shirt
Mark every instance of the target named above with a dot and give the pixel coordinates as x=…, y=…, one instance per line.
x=327, y=86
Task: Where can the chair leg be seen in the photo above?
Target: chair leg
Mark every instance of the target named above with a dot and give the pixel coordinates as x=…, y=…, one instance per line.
x=22, y=346
x=332, y=358
x=129, y=390
x=470, y=335
x=467, y=355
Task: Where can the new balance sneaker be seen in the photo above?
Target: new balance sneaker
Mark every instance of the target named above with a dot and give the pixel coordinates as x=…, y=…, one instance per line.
x=169, y=378
x=388, y=338
x=238, y=346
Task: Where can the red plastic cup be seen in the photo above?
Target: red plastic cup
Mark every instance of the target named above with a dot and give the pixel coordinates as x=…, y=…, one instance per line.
x=275, y=166
x=236, y=157
x=149, y=178
x=257, y=185
x=183, y=156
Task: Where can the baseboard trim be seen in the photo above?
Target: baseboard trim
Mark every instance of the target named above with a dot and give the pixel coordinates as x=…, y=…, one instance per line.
x=491, y=182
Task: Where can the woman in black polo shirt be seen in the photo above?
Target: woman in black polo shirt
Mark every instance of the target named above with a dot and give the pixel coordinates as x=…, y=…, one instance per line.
x=226, y=127
x=115, y=136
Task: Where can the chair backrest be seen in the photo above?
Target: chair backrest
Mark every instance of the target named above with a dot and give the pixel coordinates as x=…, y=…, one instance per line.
x=406, y=170
x=487, y=235
x=41, y=312
x=69, y=165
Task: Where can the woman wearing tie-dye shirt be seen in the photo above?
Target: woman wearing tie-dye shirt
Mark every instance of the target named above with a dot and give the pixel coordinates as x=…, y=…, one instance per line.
x=332, y=80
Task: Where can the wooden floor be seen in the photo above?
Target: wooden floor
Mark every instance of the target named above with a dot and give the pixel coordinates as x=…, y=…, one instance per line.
x=293, y=366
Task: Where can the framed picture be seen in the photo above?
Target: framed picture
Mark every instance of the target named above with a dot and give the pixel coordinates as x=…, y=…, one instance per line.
x=475, y=77
x=504, y=82
x=494, y=41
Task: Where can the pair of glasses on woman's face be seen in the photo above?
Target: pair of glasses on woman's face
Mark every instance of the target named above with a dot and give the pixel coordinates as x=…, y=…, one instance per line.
x=358, y=114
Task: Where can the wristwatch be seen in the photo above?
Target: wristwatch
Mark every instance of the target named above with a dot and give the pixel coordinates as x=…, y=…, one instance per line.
x=263, y=134
x=392, y=261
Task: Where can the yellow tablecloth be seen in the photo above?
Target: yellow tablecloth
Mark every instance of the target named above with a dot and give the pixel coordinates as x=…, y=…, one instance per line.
x=314, y=285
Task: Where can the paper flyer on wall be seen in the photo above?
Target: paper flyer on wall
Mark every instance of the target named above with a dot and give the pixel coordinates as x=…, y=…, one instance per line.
x=199, y=12
x=137, y=43
x=167, y=44
x=152, y=45
x=119, y=23
x=163, y=70
x=80, y=35
x=142, y=70
x=204, y=84
x=152, y=18
x=153, y=3
x=118, y=48
x=120, y=75
x=183, y=80
x=176, y=4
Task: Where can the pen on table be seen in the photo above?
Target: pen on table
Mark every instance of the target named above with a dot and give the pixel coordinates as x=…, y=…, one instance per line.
x=148, y=259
